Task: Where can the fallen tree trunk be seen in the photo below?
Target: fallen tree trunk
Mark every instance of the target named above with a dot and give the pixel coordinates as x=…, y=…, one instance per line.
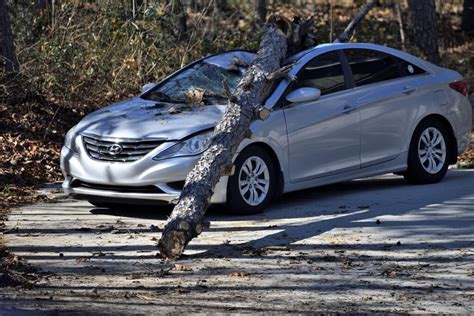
x=186, y=220
x=280, y=36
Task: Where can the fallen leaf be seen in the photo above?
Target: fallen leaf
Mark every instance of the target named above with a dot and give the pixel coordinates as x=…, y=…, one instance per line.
x=182, y=267
x=194, y=96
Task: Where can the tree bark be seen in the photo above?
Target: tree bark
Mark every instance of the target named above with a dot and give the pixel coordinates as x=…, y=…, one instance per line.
x=186, y=220
x=8, y=59
x=260, y=11
x=468, y=17
x=423, y=27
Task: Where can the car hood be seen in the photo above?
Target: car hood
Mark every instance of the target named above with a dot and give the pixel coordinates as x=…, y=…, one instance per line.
x=139, y=118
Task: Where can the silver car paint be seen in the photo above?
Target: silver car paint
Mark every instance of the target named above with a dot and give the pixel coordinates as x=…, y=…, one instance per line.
x=373, y=138
x=321, y=129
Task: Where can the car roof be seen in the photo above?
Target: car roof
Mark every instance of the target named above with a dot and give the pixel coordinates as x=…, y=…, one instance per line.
x=332, y=46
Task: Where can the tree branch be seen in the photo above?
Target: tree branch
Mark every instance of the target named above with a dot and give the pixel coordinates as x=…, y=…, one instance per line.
x=345, y=36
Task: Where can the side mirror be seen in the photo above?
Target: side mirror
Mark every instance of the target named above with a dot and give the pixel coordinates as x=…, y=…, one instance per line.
x=304, y=94
x=148, y=86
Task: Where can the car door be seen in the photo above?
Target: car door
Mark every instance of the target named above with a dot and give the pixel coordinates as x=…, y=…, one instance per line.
x=323, y=135
x=385, y=93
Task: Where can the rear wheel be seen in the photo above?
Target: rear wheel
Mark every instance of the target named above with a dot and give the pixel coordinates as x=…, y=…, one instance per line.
x=252, y=186
x=428, y=157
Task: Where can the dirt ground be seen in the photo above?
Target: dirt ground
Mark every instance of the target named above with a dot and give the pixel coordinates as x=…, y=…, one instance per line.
x=374, y=245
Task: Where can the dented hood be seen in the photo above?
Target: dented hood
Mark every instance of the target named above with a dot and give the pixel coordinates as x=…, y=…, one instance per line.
x=137, y=118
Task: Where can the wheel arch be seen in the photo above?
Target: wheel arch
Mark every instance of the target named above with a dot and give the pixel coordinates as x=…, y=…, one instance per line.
x=453, y=155
x=271, y=152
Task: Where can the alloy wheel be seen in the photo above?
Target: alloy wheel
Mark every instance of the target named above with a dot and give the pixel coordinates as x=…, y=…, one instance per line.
x=432, y=150
x=254, y=180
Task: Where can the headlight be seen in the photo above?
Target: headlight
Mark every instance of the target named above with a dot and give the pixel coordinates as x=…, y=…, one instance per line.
x=69, y=140
x=193, y=146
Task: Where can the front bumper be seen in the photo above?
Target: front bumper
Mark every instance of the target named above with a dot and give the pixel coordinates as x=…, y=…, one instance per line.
x=94, y=180
x=81, y=193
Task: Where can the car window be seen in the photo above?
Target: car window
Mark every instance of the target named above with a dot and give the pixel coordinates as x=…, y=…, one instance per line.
x=203, y=76
x=370, y=66
x=324, y=73
x=407, y=68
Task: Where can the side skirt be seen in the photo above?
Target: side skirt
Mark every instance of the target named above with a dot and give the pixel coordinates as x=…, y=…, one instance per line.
x=397, y=165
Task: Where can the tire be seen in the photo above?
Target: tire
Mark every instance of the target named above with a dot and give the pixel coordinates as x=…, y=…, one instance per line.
x=254, y=200
x=429, y=153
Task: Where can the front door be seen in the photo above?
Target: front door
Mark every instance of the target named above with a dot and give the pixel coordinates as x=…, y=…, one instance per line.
x=323, y=135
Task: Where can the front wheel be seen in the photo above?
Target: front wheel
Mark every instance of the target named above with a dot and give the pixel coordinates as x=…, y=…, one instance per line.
x=428, y=157
x=252, y=186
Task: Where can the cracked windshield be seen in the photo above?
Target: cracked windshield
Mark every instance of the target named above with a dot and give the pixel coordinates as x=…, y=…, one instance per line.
x=205, y=79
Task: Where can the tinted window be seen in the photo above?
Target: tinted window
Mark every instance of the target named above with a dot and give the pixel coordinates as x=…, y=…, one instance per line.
x=369, y=66
x=324, y=72
x=408, y=69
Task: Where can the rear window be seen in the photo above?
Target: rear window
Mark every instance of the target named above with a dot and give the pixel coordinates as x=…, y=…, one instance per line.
x=369, y=66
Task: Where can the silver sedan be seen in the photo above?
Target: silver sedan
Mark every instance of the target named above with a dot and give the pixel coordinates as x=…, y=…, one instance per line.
x=347, y=111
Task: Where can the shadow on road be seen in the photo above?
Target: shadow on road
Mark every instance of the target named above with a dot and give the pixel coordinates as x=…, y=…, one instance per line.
x=377, y=235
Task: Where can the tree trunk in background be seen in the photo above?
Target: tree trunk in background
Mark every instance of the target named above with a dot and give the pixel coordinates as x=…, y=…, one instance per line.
x=398, y=11
x=468, y=17
x=41, y=4
x=260, y=11
x=423, y=27
x=177, y=8
x=8, y=58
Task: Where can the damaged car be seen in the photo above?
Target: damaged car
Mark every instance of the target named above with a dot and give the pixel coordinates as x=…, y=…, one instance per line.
x=346, y=111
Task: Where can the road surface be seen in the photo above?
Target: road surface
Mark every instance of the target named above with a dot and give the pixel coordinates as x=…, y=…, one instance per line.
x=373, y=245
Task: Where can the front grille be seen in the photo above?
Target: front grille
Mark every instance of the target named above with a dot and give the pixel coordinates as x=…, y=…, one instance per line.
x=131, y=150
x=116, y=188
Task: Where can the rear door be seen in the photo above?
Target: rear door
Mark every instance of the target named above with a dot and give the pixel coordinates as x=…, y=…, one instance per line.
x=323, y=135
x=386, y=95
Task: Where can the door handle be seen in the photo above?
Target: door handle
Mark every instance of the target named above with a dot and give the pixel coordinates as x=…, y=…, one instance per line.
x=348, y=108
x=408, y=89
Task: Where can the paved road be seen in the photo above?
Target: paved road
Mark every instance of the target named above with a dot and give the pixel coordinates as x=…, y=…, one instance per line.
x=368, y=245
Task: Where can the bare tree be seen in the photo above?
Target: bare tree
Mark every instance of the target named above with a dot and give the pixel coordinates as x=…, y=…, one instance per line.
x=423, y=27
x=468, y=17
x=260, y=11
x=8, y=57
x=398, y=10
